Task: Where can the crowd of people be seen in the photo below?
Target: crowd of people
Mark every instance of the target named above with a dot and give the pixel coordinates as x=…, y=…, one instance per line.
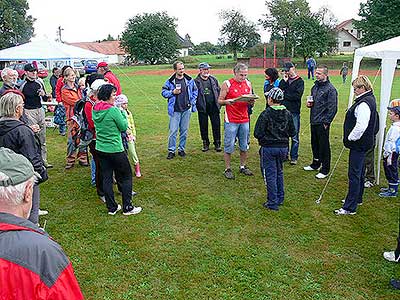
x=94, y=115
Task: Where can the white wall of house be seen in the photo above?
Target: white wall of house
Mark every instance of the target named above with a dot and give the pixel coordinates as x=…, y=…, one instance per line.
x=346, y=42
x=183, y=52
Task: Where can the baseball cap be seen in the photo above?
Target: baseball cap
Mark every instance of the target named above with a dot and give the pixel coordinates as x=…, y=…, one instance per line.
x=30, y=68
x=102, y=64
x=394, y=106
x=275, y=93
x=97, y=84
x=287, y=66
x=16, y=166
x=120, y=99
x=204, y=65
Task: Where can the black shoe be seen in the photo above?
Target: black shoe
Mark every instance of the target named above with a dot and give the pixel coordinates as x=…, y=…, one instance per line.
x=206, y=146
x=229, y=174
x=218, y=147
x=170, y=155
x=395, y=284
x=182, y=153
x=246, y=171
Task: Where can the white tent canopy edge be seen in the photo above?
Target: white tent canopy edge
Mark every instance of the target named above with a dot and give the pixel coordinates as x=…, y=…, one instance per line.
x=389, y=52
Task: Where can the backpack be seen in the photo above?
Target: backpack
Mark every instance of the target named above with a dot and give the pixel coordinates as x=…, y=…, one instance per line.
x=82, y=133
x=59, y=115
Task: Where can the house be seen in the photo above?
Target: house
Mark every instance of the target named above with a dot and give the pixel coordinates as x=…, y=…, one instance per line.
x=185, y=44
x=116, y=54
x=348, y=37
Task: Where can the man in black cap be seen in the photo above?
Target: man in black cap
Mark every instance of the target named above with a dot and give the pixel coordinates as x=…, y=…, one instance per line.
x=35, y=93
x=292, y=86
x=207, y=106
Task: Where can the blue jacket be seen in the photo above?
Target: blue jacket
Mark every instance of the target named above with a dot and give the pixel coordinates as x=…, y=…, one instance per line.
x=191, y=90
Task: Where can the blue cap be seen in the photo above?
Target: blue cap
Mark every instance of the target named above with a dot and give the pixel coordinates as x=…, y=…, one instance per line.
x=204, y=65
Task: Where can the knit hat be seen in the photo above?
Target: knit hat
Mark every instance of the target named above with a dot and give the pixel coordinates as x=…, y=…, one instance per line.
x=276, y=94
x=16, y=166
x=120, y=99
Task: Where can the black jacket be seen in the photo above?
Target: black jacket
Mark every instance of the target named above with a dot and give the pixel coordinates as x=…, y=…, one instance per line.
x=274, y=127
x=31, y=89
x=20, y=138
x=292, y=94
x=325, y=103
x=366, y=141
x=201, y=99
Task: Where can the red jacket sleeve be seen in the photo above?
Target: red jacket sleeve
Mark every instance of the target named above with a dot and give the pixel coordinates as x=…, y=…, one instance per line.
x=59, y=85
x=88, y=112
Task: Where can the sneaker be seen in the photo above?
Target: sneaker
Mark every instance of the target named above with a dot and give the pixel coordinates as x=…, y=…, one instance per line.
x=293, y=162
x=218, y=148
x=48, y=166
x=134, y=193
x=206, y=147
x=43, y=212
x=229, y=174
x=391, y=256
x=133, y=211
x=390, y=193
x=321, y=176
x=84, y=163
x=344, y=200
x=309, y=168
x=182, y=153
x=246, y=171
x=103, y=199
x=384, y=189
x=395, y=284
x=171, y=155
x=342, y=211
x=368, y=184
x=112, y=213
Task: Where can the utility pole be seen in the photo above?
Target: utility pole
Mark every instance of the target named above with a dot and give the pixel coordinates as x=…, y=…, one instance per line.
x=59, y=31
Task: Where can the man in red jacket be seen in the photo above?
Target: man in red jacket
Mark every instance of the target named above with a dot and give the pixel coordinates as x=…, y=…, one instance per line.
x=32, y=265
x=103, y=69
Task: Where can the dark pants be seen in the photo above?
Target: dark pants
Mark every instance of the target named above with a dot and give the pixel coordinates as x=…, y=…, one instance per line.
x=294, y=148
x=311, y=72
x=356, y=180
x=215, y=125
x=392, y=171
x=117, y=163
x=271, y=163
x=99, y=176
x=34, y=215
x=321, y=148
x=370, y=165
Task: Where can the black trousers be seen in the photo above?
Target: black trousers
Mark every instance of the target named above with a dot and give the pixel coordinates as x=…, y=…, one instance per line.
x=321, y=148
x=117, y=163
x=215, y=124
x=99, y=175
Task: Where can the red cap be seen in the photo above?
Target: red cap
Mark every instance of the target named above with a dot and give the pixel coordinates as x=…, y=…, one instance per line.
x=102, y=64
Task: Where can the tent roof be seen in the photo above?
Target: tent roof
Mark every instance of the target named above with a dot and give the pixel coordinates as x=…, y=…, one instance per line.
x=47, y=50
x=386, y=49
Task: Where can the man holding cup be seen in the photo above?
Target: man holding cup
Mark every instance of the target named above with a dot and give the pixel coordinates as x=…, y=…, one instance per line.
x=181, y=93
x=323, y=104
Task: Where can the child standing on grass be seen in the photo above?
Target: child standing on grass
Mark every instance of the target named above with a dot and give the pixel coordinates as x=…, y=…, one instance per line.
x=344, y=71
x=273, y=129
x=391, y=151
x=121, y=101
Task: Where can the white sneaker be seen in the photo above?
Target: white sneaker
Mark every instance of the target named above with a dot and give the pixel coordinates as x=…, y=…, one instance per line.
x=368, y=184
x=103, y=199
x=321, y=176
x=134, y=211
x=43, y=212
x=390, y=256
x=342, y=211
x=112, y=213
x=309, y=168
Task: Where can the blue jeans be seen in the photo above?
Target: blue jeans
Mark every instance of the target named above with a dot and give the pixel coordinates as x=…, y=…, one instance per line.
x=311, y=72
x=294, y=149
x=271, y=163
x=233, y=130
x=179, y=121
x=356, y=180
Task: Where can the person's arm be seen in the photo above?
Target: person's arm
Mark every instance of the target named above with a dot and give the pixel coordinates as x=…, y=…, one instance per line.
x=362, y=114
x=259, y=128
x=59, y=85
x=331, y=106
x=120, y=119
x=168, y=90
x=222, y=95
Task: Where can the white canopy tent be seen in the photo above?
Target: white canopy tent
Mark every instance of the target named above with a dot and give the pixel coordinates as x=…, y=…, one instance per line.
x=48, y=51
x=389, y=52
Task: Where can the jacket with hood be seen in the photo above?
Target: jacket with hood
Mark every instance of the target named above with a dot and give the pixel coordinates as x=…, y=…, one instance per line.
x=20, y=138
x=191, y=90
x=69, y=96
x=201, y=99
x=32, y=265
x=114, y=81
x=325, y=103
x=109, y=122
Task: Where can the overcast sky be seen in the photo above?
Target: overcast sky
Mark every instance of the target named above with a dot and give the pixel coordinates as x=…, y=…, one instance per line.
x=88, y=20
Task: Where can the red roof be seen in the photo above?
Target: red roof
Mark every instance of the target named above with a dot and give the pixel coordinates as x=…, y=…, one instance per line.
x=106, y=47
x=343, y=24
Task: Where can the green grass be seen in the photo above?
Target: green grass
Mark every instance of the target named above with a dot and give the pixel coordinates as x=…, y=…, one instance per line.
x=201, y=236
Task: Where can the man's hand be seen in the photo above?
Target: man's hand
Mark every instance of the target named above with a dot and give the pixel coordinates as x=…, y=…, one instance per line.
x=35, y=128
x=176, y=91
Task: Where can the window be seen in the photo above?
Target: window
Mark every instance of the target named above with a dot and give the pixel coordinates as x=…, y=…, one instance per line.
x=346, y=44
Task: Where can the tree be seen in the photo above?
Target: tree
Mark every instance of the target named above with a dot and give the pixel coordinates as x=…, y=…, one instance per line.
x=109, y=38
x=280, y=17
x=151, y=37
x=237, y=33
x=16, y=27
x=379, y=20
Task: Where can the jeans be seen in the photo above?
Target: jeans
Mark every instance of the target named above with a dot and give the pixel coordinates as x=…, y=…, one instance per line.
x=392, y=170
x=294, y=149
x=233, y=130
x=179, y=121
x=356, y=180
x=311, y=72
x=271, y=163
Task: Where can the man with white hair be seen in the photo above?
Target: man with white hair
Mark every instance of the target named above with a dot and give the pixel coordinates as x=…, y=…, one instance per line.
x=9, y=77
x=32, y=265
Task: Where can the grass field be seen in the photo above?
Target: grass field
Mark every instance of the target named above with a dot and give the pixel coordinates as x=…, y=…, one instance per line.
x=201, y=236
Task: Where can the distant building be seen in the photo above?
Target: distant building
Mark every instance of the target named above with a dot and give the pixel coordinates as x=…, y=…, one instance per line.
x=116, y=54
x=348, y=37
x=186, y=45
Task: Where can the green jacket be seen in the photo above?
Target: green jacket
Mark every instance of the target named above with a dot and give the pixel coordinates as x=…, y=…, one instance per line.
x=109, y=122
